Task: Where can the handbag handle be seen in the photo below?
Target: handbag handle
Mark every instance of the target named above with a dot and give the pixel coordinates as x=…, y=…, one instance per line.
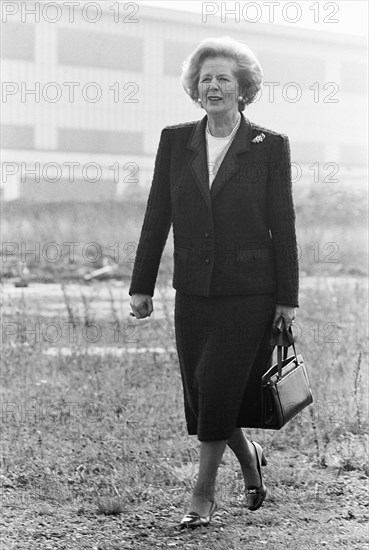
x=283, y=338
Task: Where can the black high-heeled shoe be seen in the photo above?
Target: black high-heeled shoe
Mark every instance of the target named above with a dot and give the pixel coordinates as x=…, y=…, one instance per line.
x=192, y=519
x=255, y=495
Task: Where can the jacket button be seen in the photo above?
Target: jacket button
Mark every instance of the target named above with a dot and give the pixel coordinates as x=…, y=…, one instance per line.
x=206, y=235
x=207, y=260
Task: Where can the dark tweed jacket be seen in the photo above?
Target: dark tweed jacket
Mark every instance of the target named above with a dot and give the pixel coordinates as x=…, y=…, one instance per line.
x=236, y=238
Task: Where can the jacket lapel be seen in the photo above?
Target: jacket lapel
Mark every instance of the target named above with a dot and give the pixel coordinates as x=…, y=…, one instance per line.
x=198, y=164
x=229, y=165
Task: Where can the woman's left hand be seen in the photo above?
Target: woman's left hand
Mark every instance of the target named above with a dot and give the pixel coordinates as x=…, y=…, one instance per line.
x=287, y=312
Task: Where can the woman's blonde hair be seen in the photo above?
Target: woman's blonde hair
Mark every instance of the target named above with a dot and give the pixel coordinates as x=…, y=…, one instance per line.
x=249, y=73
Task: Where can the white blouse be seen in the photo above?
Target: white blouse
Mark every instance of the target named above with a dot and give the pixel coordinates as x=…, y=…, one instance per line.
x=217, y=148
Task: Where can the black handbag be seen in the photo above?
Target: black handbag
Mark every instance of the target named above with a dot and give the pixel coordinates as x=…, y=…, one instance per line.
x=285, y=386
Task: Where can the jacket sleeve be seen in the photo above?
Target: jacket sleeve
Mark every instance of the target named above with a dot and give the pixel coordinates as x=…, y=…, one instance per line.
x=156, y=224
x=281, y=215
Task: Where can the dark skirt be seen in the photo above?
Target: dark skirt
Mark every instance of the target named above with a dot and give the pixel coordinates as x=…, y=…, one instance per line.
x=224, y=347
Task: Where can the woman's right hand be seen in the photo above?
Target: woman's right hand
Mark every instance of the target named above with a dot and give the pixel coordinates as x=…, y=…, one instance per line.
x=141, y=305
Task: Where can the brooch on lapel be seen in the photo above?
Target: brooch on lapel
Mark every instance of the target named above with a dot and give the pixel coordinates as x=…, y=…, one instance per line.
x=258, y=138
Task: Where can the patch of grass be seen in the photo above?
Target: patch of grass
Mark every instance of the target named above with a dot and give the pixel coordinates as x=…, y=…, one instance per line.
x=105, y=437
x=328, y=223
x=110, y=506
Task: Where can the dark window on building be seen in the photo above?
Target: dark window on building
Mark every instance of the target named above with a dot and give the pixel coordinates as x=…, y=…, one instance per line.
x=64, y=190
x=18, y=41
x=305, y=152
x=353, y=78
x=14, y=136
x=174, y=55
x=99, y=141
x=354, y=155
x=290, y=68
x=95, y=49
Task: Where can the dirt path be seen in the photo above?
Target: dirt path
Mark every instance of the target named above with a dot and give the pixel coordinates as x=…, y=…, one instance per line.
x=331, y=514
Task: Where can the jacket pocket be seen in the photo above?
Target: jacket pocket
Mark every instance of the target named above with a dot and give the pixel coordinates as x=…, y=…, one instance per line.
x=254, y=256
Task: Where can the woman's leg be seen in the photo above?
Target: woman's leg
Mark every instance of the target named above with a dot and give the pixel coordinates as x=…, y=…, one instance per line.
x=211, y=453
x=245, y=454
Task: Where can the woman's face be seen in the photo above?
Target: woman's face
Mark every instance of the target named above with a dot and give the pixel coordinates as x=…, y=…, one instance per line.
x=218, y=87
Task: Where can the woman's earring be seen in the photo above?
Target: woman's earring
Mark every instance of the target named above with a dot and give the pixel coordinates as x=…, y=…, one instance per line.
x=241, y=99
x=199, y=102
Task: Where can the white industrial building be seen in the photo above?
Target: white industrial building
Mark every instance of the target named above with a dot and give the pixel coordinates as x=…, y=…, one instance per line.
x=86, y=93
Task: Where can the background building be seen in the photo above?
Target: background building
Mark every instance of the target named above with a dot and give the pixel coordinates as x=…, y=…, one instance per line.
x=86, y=94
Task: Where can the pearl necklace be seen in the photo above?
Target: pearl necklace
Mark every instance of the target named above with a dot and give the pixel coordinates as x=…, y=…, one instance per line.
x=231, y=134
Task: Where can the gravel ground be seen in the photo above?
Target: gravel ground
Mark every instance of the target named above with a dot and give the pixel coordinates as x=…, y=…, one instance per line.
x=335, y=516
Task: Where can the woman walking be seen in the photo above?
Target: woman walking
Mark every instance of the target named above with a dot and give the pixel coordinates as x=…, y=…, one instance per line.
x=225, y=185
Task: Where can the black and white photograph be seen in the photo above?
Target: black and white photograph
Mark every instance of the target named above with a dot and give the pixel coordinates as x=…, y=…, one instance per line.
x=184, y=275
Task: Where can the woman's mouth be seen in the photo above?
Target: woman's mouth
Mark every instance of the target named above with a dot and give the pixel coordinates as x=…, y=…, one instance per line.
x=214, y=98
